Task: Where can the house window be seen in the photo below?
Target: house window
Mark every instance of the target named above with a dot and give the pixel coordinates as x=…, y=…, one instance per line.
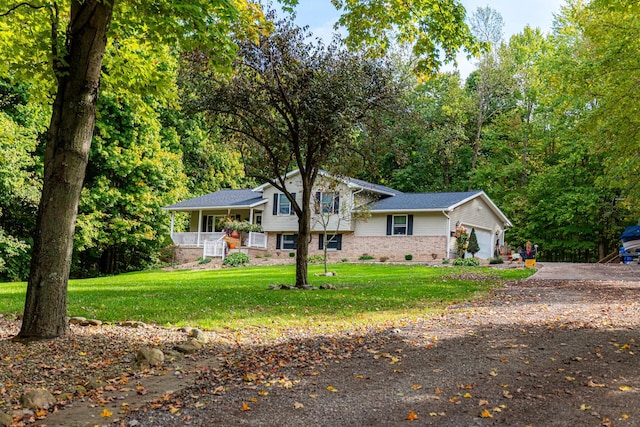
x=282, y=205
x=259, y=219
x=334, y=242
x=286, y=241
x=212, y=223
x=399, y=225
x=327, y=202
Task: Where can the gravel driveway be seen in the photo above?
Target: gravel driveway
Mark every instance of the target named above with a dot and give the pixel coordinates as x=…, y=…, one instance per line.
x=557, y=349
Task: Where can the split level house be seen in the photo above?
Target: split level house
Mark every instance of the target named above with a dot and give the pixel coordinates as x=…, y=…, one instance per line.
x=357, y=217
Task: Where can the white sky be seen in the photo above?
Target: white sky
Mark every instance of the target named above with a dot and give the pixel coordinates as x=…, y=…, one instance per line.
x=320, y=16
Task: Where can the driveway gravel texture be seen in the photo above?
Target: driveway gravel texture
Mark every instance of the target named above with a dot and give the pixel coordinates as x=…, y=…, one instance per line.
x=557, y=349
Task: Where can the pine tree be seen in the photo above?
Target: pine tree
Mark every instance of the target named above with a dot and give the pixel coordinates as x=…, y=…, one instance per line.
x=473, y=243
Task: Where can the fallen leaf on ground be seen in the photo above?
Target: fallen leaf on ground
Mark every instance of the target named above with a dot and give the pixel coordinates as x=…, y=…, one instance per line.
x=626, y=388
x=245, y=407
x=412, y=416
x=298, y=405
x=332, y=389
x=106, y=413
x=593, y=384
x=585, y=407
x=486, y=414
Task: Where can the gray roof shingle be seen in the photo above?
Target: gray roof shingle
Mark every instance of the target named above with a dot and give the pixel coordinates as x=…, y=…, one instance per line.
x=422, y=201
x=373, y=187
x=221, y=199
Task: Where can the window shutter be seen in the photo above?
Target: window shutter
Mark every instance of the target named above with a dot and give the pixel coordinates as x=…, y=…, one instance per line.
x=291, y=210
x=410, y=225
x=338, y=238
x=389, y=224
x=278, y=241
x=275, y=204
x=321, y=241
x=336, y=203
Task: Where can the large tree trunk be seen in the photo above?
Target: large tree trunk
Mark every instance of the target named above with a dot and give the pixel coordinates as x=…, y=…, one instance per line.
x=304, y=232
x=66, y=156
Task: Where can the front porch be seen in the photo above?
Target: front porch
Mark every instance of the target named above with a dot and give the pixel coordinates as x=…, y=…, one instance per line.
x=195, y=244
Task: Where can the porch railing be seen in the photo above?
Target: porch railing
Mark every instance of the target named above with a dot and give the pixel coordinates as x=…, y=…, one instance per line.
x=257, y=240
x=253, y=240
x=214, y=248
x=191, y=238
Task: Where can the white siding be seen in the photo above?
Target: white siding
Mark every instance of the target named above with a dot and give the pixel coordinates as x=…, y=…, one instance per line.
x=429, y=224
x=289, y=223
x=424, y=224
x=272, y=222
x=375, y=226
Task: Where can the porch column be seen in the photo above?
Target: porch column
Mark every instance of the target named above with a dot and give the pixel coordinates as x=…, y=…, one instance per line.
x=173, y=217
x=251, y=216
x=199, y=225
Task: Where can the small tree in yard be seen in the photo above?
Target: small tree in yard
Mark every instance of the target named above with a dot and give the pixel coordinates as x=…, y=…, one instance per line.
x=329, y=212
x=473, y=247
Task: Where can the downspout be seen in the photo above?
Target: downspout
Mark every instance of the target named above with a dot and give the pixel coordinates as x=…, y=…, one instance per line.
x=199, y=226
x=448, y=234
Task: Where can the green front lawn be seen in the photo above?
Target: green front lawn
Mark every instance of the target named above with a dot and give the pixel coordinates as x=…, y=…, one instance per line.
x=239, y=298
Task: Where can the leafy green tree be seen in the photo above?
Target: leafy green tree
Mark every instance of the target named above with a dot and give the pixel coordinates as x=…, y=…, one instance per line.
x=430, y=151
x=20, y=126
x=605, y=39
x=210, y=162
x=73, y=37
x=435, y=29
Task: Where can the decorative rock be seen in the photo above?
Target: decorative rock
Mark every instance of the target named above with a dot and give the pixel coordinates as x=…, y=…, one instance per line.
x=94, y=322
x=194, y=342
x=150, y=357
x=198, y=335
x=37, y=399
x=5, y=419
x=77, y=320
x=186, y=348
x=172, y=355
x=327, y=286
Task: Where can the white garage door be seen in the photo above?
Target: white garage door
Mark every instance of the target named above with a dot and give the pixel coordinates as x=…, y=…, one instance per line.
x=486, y=244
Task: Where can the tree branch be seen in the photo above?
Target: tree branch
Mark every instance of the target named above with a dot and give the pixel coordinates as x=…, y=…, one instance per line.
x=32, y=6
